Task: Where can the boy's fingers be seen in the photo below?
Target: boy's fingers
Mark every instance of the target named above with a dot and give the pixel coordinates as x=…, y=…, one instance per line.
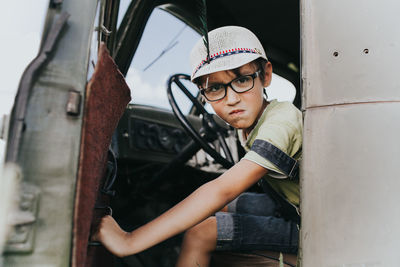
x=96, y=236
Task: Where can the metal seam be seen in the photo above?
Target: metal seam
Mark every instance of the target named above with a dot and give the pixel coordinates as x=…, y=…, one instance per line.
x=353, y=103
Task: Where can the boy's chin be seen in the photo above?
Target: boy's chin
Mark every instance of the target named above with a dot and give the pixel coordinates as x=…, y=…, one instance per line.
x=239, y=124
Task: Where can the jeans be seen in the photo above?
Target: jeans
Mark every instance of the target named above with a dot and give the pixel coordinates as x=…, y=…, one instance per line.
x=250, y=224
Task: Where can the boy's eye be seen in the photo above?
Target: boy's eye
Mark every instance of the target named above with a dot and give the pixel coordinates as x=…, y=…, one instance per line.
x=215, y=88
x=243, y=79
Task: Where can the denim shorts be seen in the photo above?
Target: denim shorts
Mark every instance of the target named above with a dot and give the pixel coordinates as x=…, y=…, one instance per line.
x=250, y=224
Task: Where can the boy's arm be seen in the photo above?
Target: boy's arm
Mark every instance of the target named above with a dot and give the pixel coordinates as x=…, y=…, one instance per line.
x=201, y=204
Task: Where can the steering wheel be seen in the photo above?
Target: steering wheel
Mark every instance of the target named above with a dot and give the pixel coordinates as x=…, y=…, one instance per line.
x=210, y=130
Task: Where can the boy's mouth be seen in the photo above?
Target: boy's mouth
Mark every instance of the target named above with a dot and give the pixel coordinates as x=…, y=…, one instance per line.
x=236, y=111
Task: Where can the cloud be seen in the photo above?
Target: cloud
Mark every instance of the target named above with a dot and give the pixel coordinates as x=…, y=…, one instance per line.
x=147, y=92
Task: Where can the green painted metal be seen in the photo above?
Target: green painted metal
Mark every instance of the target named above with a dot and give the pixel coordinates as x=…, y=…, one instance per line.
x=52, y=169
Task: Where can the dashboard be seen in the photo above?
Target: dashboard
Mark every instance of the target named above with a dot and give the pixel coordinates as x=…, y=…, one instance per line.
x=150, y=134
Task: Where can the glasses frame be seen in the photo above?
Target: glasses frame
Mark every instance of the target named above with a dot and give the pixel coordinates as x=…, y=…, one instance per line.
x=253, y=76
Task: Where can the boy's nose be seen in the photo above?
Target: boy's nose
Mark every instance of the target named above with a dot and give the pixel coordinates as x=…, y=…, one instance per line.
x=231, y=96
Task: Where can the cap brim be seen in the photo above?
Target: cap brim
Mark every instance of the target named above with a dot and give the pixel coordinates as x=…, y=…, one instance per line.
x=225, y=63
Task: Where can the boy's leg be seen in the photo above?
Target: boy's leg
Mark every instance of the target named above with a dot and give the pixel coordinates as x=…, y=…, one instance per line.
x=252, y=203
x=250, y=224
x=259, y=232
x=246, y=232
x=198, y=243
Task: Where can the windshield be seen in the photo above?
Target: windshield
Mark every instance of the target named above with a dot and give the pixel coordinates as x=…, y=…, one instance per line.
x=163, y=51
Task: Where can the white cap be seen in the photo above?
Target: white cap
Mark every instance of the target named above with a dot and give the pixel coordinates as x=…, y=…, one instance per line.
x=230, y=48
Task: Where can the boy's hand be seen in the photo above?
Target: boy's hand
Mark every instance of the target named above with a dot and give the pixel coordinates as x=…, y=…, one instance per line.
x=112, y=236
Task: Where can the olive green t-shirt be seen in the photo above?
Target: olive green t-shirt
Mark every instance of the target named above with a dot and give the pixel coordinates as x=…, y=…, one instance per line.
x=281, y=124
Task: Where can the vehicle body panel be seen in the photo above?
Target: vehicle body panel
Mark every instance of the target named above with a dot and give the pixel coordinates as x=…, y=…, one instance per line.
x=350, y=101
x=351, y=147
x=49, y=150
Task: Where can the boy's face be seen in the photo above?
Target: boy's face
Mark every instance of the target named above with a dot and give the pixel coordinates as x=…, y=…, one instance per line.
x=241, y=110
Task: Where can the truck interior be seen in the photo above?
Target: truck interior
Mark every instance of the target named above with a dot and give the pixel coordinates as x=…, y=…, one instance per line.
x=160, y=158
x=137, y=160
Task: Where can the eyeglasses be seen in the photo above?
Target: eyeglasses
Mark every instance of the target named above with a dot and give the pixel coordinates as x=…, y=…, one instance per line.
x=241, y=84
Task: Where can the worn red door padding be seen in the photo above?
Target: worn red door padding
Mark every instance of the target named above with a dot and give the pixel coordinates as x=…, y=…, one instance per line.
x=107, y=96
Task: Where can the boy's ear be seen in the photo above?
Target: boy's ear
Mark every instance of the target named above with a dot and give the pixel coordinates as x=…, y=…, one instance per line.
x=267, y=74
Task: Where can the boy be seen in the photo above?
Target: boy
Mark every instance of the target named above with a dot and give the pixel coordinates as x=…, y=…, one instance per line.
x=233, y=82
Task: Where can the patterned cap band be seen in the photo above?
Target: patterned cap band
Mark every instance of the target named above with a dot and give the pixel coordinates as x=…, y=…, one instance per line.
x=224, y=54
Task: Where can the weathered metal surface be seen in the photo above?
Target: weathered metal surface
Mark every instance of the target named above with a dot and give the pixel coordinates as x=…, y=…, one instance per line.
x=350, y=186
x=349, y=51
x=351, y=148
x=25, y=87
x=10, y=176
x=4, y=124
x=74, y=103
x=23, y=220
x=49, y=151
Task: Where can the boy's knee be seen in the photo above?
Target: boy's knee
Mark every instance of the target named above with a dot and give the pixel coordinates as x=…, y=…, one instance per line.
x=204, y=233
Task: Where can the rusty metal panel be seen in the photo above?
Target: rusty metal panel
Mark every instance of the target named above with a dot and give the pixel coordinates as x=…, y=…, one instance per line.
x=350, y=185
x=350, y=50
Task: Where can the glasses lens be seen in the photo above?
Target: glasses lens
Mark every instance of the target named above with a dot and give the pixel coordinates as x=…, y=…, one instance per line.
x=243, y=83
x=214, y=92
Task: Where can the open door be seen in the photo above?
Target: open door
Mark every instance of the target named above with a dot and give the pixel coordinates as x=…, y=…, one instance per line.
x=107, y=95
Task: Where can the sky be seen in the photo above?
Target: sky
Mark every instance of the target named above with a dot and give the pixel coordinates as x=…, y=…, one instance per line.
x=22, y=23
